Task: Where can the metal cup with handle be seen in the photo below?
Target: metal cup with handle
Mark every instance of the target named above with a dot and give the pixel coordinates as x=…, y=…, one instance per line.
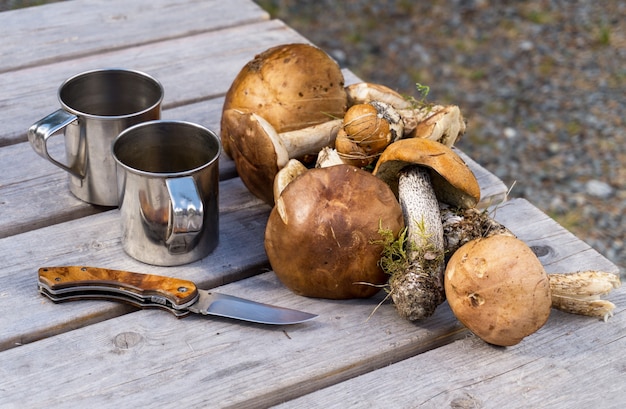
x=168, y=179
x=95, y=107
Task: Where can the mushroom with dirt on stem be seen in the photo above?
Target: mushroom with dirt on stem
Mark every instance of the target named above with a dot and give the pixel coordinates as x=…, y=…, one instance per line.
x=421, y=173
x=261, y=152
x=576, y=292
x=498, y=289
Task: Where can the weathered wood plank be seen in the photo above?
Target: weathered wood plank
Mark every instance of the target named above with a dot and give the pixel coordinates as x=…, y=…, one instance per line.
x=538, y=372
x=191, y=69
x=149, y=356
x=71, y=29
x=95, y=240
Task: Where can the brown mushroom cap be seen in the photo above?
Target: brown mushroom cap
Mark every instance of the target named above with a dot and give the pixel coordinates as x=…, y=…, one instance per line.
x=292, y=86
x=498, y=289
x=255, y=154
x=320, y=234
x=453, y=181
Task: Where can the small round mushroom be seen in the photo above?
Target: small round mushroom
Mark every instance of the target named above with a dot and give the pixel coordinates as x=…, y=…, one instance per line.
x=322, y=237
x=498, y=289
x=421, y=173
x=261, y=152
x=292, y=86
x=367, y=130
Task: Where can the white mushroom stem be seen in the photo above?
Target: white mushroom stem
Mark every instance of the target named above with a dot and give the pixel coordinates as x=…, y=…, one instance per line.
x=579, y=292
x=301, y=142
x=574, y=293
x=365, y=92
x=418, y=291
x=328, y=157
x=292, y=170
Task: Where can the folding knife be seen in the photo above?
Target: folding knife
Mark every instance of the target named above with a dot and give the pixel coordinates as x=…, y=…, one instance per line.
x=178, y=296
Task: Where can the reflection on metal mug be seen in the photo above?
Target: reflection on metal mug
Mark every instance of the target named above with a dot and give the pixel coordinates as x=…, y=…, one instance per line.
x=168, y=178
x=95, y=107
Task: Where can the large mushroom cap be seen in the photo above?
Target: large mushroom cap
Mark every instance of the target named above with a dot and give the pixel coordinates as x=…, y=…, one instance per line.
x=320, y=236
x=498, y=289
x=292, y=86
x=453, y=181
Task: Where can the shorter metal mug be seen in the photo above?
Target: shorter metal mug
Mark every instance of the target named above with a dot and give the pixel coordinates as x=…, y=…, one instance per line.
x=95, y=107
x=168, y=178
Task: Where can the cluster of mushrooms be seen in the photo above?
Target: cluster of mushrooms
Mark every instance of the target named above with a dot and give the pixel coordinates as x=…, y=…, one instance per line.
x=368, y=193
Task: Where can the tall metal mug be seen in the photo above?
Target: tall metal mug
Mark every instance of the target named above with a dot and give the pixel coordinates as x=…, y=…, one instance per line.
x=168, y=177
x=95, y=107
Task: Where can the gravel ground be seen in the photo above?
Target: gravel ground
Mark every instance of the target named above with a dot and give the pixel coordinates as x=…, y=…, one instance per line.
x=542, y=85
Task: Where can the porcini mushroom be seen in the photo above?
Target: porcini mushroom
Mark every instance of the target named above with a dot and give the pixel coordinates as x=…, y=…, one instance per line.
x=321, y=236
x=292, y=86
x=498, y=289
x=421, y=173
x=260, y=152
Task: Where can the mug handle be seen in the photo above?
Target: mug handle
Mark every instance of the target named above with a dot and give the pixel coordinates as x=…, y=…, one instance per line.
x=41, y=131
x=185, y=222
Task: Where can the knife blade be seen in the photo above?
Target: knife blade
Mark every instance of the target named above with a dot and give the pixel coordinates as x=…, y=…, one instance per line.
x=180, y=297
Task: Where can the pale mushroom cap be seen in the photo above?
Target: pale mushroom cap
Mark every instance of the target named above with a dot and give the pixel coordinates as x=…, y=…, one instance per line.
x=292, y=86
x=320, y=236
x=453, y=181
x=498, y=289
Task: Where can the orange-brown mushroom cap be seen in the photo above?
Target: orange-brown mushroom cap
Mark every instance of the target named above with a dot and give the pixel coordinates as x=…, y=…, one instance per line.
x=453, y=181
x=321, y=234
x=498, y=289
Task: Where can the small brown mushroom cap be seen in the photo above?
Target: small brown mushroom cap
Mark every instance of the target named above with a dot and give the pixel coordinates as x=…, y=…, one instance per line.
x=292, y=86
x=321, y=235
x=453, y=181
x=498, y=289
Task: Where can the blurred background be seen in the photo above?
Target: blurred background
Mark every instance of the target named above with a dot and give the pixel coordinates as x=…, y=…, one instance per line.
x=541, y=83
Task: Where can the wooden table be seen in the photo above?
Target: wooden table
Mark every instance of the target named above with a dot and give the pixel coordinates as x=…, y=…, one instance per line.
x=102, y=354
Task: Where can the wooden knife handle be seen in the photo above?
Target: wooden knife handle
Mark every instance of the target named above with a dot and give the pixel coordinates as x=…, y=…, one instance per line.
x=60, y=280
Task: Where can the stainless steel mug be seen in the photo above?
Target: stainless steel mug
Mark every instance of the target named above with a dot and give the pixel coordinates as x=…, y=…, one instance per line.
x=168, y=183
x=95, y=107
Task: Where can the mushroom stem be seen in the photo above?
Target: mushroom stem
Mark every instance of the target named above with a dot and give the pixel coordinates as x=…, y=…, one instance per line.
x=329, y=157
x=305, y=141
x=418, y=291
x=579, y=292
x=574, y=293
x=463, y=225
